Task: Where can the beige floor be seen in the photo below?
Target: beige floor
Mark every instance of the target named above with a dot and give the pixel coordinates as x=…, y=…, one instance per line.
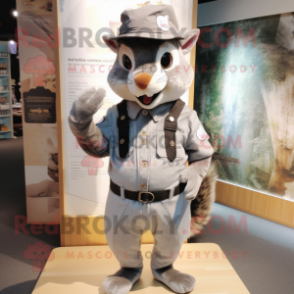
x=79, y=270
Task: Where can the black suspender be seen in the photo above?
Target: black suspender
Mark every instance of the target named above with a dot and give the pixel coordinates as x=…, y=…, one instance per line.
x=123, y=124
x=170, y=128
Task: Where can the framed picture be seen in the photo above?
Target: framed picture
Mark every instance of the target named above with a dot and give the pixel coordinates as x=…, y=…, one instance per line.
x=244, y=96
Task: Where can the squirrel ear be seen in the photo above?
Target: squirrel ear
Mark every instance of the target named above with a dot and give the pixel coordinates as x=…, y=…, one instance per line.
x=112, y=44
x=190, y=40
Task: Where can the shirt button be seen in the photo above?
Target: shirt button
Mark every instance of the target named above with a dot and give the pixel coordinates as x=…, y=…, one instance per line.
x=144, y=142
x=143, y=186
x=122, y=117
x=172, y=143
x=145, y=112
x=121, y=141
x=143, y=133
x=144, y=164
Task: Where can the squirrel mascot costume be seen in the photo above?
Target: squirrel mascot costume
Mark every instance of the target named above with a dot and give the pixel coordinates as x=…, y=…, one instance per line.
x=150, y=136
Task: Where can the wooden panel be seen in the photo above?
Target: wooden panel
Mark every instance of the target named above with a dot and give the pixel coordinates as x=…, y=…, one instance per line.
x=59, y=118
x=193, y=54
x=82, y=270
x=272, y=208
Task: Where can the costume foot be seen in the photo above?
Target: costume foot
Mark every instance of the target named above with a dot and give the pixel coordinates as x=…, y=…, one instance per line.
x=122, y=281
x=175, y=280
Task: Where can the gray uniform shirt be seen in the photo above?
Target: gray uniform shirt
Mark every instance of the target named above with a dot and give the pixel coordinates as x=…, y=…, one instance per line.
x=146, y=166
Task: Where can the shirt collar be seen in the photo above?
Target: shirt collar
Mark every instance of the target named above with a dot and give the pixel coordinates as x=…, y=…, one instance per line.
x=156, y=113
x=133, y=109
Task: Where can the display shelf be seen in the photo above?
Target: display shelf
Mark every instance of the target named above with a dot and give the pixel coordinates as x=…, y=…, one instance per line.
x=5, y=82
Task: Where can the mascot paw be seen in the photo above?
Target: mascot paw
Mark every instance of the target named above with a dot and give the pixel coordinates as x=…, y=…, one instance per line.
x=175, y=280
x=191, y=177
x=122, y=281
x=87, y=105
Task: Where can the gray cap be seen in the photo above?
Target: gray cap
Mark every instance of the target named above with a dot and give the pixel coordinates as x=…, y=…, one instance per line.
x=152, y=21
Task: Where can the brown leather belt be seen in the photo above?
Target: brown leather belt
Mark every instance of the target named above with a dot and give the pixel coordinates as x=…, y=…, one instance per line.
x=146, y=197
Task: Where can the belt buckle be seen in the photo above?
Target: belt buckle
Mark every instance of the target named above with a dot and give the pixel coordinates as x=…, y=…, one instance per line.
x=140, y=197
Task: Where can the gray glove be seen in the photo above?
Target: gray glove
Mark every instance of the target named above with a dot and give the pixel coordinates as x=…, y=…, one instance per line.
x=86, y=106
x=193, y=176
x=81, y=119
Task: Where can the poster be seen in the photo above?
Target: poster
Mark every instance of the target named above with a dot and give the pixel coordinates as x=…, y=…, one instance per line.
x=86, y=62
x=37, y=42
x=244, y=96
x=40, y=106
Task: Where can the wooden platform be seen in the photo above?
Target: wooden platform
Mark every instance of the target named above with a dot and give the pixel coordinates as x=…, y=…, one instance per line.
x=80, y=270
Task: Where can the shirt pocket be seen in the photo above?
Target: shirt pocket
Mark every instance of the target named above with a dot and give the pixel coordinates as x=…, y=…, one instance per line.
x=160, y=145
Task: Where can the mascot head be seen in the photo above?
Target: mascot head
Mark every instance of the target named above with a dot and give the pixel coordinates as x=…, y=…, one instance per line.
x=150, y=67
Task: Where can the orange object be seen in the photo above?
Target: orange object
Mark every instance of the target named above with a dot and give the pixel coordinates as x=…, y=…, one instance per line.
x=142, y=80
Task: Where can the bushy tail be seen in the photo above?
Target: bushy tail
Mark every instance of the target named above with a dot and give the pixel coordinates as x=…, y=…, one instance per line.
x=201, y=206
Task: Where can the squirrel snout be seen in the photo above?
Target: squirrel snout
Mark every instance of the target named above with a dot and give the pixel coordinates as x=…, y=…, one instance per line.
x=142, y=80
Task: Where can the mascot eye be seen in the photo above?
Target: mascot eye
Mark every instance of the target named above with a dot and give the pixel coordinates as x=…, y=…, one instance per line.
x=127, y=62
x=166, y=60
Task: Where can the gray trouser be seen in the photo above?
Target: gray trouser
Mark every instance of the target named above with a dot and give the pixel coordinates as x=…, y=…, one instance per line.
x=126, y=220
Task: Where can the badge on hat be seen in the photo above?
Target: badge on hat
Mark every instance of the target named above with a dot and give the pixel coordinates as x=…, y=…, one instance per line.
x=201, y=134
x=162, y=22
